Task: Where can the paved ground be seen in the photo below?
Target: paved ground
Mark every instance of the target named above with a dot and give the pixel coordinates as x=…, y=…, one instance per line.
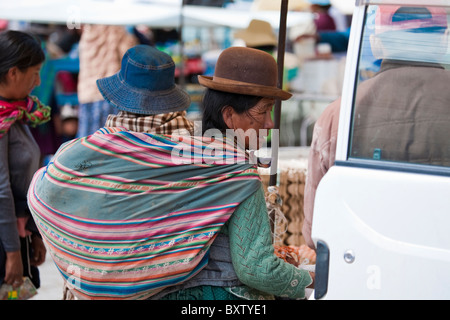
x=51, y=282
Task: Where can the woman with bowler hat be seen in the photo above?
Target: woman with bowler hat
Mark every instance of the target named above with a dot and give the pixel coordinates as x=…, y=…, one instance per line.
x=145, y=94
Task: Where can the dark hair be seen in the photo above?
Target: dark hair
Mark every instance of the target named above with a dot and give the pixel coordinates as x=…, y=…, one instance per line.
x=18, y=49
x=213, y=103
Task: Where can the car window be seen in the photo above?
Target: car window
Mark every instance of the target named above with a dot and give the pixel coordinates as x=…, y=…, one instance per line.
x=401, y=106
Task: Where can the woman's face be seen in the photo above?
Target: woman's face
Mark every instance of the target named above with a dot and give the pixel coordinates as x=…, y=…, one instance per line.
x=254, y=125
x=23, y=82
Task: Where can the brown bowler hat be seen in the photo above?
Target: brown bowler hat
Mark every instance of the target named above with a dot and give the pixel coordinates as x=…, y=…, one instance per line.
x=246, y=71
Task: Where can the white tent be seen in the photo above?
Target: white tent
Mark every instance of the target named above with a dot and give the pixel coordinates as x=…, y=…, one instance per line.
x=168, y=13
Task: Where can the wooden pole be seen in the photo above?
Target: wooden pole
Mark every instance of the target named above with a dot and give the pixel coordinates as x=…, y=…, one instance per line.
x=275, y=142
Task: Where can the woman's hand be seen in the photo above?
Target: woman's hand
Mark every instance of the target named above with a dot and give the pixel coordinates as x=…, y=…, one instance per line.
x=313, y=277
x=14, y=269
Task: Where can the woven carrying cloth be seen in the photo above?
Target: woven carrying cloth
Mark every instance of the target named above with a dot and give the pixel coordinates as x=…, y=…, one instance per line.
x=123, y=220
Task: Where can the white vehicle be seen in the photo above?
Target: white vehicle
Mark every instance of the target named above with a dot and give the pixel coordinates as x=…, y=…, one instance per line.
x=382, y=213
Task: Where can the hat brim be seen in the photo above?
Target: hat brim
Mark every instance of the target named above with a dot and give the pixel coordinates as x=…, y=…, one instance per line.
x=240, y=87
x=142, y=101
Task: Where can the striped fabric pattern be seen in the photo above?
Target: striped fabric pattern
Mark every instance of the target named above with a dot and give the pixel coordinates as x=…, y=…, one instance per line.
x=123, y=220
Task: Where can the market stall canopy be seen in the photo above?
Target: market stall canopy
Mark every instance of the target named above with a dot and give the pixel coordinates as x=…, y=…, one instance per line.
x=158, y=14
x=344, y=6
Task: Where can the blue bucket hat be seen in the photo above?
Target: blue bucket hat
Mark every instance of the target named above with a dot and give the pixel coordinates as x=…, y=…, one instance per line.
x=145, y=84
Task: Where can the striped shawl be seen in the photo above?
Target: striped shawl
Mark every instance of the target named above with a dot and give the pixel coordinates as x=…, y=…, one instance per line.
x=123, y=220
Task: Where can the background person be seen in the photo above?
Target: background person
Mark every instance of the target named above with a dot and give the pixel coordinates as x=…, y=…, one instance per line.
x=137, y=93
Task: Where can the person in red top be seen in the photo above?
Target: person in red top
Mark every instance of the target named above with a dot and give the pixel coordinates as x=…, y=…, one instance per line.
x=322, y=19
